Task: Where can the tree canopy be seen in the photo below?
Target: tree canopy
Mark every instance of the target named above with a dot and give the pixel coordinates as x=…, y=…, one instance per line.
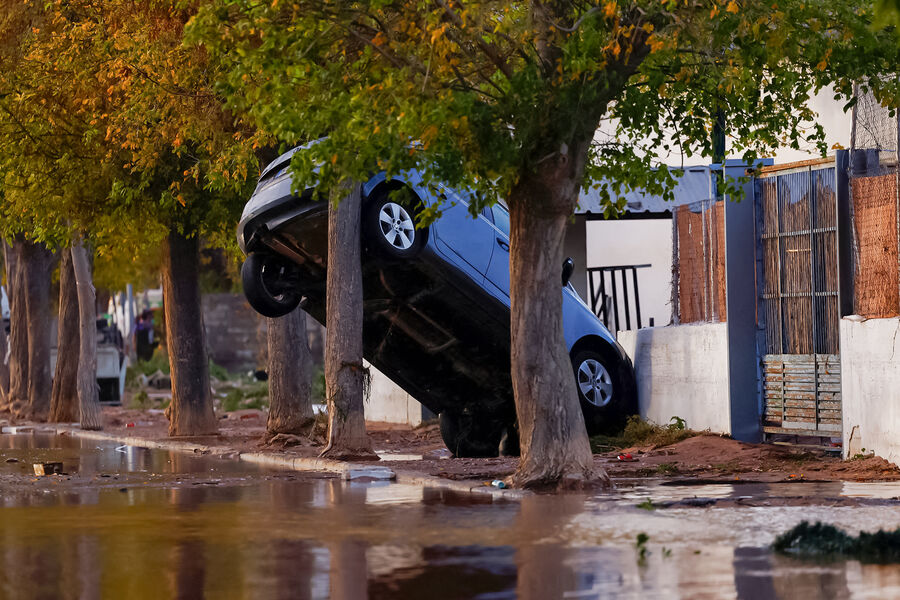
x=476, y=93
x=111, y=128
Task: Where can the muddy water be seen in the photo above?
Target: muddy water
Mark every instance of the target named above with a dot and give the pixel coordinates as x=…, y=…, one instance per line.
x=135, y=523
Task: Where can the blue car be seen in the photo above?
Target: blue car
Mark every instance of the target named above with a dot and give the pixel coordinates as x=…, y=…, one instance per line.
x=436, y=302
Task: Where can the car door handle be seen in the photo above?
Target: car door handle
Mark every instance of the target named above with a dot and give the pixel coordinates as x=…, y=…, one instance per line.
x=503, y=243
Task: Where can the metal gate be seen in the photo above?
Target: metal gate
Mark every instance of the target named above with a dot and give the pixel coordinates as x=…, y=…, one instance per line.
x=798, y=304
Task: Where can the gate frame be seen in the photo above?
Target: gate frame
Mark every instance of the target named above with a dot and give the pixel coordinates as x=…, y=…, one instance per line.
x=843, y=242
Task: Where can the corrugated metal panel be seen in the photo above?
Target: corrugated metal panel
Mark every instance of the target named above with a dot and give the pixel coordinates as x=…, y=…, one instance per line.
x=693, y=185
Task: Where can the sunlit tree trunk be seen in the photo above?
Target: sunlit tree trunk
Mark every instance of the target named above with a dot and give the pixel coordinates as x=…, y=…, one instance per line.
x=191, y=410
x=553, y=437
x=17, y=395
x=290, y=366
x=64, y=396
x=88, y=392
x=4, y=340
x=345, y=374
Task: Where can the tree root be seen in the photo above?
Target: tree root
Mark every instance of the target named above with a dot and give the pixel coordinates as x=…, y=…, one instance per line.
x=563, y=481
x=350, y=454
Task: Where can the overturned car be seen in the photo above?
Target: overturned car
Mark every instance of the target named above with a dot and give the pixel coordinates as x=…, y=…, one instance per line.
x=436, y=302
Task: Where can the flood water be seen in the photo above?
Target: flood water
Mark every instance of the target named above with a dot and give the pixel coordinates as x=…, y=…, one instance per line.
x=138, y=523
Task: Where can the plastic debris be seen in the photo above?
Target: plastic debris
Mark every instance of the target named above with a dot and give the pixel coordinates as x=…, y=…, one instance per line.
x=499, y=483
x=626, y=457
x=374, y=473
x=48, y=468
x=129, y=424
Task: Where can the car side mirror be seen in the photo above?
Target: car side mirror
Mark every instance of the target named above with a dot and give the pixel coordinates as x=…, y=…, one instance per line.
x=567, y=270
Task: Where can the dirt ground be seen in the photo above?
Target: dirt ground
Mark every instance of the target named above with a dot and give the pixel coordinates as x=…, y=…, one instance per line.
x=702, y=458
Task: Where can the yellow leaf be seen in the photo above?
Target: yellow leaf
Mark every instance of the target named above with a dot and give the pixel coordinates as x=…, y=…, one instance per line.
x=732, y=7
x=714, y=12
x=609, y=10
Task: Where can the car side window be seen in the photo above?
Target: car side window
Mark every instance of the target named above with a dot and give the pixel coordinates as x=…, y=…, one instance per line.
x=501, y=218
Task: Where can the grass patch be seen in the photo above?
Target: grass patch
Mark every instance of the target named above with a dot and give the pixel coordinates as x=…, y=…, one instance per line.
x=254, y=395
x=317, y=391
x=826, y=541
x=727, y=467
x=666, y=469
x=647, y=505
x=639, y=432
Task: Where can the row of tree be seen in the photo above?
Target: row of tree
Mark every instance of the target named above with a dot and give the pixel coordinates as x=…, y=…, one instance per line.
x=139, y=126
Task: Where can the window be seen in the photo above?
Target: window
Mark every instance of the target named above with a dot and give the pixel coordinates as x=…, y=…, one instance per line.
x=501, y=218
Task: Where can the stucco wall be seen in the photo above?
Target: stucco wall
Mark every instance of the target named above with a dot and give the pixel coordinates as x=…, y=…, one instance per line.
x=870, y=387
x=682, y=371
x=390, y=404
x=636, y=242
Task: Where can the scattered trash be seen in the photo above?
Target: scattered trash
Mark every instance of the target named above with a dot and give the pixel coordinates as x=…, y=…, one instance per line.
x=626, y=457
x=48, y=468
x=129, y=424
x=120, y=449
x=499, y=483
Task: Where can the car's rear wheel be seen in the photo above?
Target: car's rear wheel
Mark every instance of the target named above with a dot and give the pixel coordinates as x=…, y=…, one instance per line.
x=470, y=435
x=389, y=225
x=270, y=284
x=605, y=397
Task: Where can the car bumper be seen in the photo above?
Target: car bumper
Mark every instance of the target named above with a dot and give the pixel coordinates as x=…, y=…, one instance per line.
x=268, y=208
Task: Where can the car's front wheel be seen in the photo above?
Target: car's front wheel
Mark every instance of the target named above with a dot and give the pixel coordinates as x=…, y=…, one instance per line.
x=270, y=284
x=603, y=392
x=389, y=225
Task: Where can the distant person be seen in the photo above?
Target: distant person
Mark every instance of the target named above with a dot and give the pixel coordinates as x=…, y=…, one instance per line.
x=144, y=336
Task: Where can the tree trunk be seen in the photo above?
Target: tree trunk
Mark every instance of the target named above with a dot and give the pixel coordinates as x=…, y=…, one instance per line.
x=64, y=396
x=290, y=366
x=88, y=391
x=17, y=397
x=191, y=411
x=37, y=282
x=553, y=437
x=4, y=341
x=345, y=375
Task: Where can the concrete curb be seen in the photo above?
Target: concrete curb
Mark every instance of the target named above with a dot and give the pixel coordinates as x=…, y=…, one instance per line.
x=347, y=470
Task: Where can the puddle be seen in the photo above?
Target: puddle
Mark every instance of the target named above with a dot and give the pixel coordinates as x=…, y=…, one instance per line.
x=225, y=529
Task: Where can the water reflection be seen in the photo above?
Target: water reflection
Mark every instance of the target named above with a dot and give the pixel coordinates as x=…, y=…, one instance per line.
x=324, y=538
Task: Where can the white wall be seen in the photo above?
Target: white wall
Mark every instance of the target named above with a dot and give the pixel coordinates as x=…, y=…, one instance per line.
x=390, y=404
x=635, y=242
x=682, y=371
x=870, y=387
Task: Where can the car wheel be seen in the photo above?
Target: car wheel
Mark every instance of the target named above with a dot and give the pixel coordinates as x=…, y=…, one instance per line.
x=470, y=436
x=270, y=284
x=389, y=226
x=603, y=393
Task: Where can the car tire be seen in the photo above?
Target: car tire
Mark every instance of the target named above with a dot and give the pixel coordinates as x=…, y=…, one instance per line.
x=389, y=226
x=470, y=436
x=269, y=284
x=604, y=394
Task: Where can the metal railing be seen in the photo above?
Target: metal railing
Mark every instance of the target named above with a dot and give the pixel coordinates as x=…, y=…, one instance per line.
x=605, y=299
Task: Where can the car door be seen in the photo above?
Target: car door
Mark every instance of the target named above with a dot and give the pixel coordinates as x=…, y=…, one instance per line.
x=498, y=271
x=466, y=241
